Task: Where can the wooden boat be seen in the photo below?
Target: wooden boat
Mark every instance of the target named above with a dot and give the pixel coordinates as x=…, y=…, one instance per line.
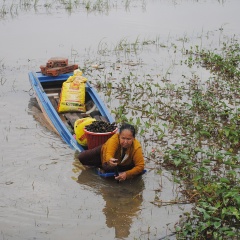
x=47, y=90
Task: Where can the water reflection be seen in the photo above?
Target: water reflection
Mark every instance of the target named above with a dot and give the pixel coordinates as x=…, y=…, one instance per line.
x=123, y=200
x=35, y=111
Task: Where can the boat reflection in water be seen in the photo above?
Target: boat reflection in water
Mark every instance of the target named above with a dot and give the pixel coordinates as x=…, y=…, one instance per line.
x=123, y=200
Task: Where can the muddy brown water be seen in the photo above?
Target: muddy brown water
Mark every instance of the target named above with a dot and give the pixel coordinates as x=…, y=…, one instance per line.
x=45, y=193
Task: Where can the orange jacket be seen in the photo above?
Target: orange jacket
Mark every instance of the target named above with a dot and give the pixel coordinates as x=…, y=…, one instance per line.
x=112, y=149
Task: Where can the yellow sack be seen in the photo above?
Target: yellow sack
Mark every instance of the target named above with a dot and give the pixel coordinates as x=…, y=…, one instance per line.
x=79, y=129
x=72, y=98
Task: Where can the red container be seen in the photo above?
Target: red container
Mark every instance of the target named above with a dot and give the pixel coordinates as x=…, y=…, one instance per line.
x=96, y=139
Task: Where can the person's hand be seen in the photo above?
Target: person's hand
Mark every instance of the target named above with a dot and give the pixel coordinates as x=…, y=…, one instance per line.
x=121, y=177
x=112, y=162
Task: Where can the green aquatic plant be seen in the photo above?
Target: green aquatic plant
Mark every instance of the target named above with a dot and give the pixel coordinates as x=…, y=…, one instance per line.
x=216, y=189
x=188, y=127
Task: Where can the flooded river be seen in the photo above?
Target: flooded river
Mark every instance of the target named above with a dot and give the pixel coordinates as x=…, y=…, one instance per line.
x=45, y=193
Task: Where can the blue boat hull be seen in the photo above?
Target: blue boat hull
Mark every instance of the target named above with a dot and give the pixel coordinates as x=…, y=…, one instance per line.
x=40, y=83
x=109, y=174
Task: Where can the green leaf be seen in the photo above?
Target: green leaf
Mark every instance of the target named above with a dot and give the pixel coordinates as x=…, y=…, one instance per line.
x=226, y=132
x=216, y=225
x=224, y=211
x=142, y=132
x=206, y=161
x=224, y=180
x=201, y=210
x=237, y=198
x=177, y=162
x=205, y=133
x=233, y=173
x=230, y=233
x=184, y=156
x=138, y=121
x=234, y=211
x=203, y=169
x=177, y=228
x=206, y=216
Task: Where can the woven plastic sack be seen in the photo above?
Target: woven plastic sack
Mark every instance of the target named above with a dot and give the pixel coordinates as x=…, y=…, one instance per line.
x=72, y=98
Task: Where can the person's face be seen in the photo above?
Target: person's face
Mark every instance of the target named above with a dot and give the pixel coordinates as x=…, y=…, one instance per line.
x=126, y=138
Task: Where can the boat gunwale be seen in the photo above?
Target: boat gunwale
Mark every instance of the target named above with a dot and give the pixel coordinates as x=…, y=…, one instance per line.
x=36, y=79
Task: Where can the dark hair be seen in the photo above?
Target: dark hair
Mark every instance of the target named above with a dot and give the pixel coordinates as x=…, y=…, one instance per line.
x=127, y=126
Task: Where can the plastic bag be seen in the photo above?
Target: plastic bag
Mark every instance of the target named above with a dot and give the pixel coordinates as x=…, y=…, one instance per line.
x=72, y=98
x=79, y=129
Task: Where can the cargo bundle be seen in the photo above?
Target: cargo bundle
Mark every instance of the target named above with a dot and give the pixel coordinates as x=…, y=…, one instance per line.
x=57, y=66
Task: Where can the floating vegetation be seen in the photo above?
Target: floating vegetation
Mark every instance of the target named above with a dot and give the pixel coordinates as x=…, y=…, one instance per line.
x=189, y=127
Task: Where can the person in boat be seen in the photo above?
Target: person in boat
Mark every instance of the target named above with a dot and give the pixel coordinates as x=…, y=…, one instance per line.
x=121, y=153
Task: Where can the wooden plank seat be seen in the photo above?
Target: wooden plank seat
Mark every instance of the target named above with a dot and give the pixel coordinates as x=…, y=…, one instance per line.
x=73, y=117
x=69, y=118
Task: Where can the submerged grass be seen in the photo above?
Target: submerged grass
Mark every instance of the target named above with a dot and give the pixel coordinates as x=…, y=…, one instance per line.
x=189, y=126
x=12, y=8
